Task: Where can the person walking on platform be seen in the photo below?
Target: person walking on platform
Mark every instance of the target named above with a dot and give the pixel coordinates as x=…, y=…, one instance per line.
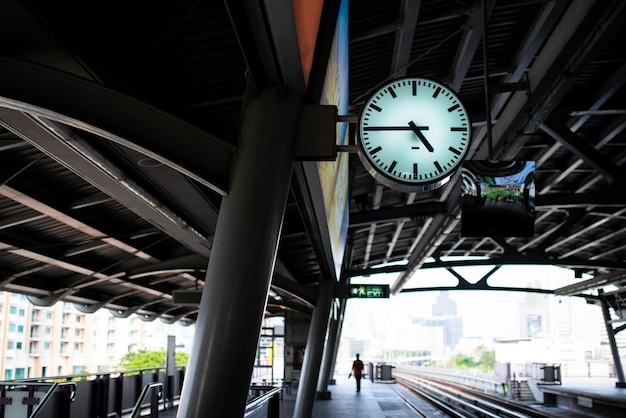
x=357, y=372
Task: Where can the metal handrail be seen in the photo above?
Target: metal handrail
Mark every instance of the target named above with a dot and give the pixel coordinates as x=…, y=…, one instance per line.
x=84, y=376
x=263, y=398
x=48, y=396
x=158, y=386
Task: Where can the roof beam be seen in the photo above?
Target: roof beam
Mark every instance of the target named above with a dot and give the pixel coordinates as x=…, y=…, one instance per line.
x=359, y=219
x=50, y=93
x=425, y=247
x=70, y=221
x=608, y=89
x=60, y=143
x=20, y=219
x=590, y=155
x=405, y=30
x=89, y=277
x=602, y=221
x=267, y=37
x=580, y=35
x=604, y=137
x=468, y=45
x=594, y=283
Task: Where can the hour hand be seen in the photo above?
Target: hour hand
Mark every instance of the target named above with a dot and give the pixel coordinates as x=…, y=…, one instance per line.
x=418, y=131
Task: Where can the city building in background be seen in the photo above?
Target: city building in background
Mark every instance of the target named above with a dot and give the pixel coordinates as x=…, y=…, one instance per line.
x=445, y=315
x=522, y=328
x=60, y=340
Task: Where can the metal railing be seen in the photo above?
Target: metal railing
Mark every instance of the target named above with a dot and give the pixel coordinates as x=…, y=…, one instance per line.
x=97, y=395
x=67, y=395
x=264, y=402
x=113, y=394
x=155, y=390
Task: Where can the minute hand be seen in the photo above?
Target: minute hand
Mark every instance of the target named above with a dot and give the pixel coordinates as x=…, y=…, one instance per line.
x=387, y=128
x=418, y=131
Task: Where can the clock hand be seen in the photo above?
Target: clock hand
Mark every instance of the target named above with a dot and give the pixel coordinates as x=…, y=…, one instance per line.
x=420, y=135
x=387, y=128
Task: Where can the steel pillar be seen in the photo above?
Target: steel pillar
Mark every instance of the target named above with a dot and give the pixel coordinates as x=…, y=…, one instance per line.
x=330, y=350
x=242, y=258
x=314, y=350
x=342, y=309
x=619, y=370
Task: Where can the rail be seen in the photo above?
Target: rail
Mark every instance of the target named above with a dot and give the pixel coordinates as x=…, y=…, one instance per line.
x=156, y=394
x=265, y=402
x=459, y=401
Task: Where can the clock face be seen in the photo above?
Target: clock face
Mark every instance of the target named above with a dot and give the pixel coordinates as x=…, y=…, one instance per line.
x=414, y=133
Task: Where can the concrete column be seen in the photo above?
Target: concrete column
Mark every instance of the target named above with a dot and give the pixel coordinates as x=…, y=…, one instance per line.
x=242, y=258
x=314, y=350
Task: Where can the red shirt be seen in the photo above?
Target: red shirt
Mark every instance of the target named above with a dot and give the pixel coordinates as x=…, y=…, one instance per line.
x=357, y=368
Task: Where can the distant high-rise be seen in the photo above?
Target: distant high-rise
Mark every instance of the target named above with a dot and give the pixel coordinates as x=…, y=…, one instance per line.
x=445, y=315
x=444, y=306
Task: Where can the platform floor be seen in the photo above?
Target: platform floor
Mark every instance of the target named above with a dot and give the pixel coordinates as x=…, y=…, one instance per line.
x=381, y=400
x=375, y=400
x=592, y=387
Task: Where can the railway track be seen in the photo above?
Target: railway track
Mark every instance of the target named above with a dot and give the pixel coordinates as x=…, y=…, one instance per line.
x=455, y=401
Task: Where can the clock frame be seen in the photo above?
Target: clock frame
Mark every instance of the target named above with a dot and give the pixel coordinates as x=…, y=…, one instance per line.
x=414, y=133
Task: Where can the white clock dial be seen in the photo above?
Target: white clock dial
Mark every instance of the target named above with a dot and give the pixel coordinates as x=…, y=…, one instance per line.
x=414, y=133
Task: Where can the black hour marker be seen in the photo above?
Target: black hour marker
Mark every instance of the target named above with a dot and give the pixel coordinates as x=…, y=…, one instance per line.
x=459, y=129
x=393, y=93
x=436, y=93
x=438, y=166
x=415, y=170
x=375, y=150
x=455, y=107
x=455, y=151
x=376, y=108
x=414, y=88
x=392, y=166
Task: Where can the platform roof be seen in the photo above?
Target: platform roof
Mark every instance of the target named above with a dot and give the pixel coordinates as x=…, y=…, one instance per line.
x=102, y=204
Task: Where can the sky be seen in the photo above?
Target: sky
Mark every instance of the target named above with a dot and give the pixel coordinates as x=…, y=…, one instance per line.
x=486, y=314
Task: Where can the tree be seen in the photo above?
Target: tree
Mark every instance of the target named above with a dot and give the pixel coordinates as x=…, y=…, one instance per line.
x=143, y=359
x=487, y=360
x=482, y=358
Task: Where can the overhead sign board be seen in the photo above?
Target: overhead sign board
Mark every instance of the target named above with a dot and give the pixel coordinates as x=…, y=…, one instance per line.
x=369, y=291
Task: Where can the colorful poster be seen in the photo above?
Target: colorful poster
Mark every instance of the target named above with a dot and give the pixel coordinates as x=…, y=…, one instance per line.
x=334, y=174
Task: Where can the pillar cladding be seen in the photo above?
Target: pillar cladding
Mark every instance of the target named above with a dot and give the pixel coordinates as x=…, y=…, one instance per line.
x=330, y=349
x=314, y=350
x=610, y=332
x=242, y=258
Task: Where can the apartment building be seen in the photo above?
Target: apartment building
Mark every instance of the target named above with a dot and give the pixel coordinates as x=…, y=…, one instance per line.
x=59, y=340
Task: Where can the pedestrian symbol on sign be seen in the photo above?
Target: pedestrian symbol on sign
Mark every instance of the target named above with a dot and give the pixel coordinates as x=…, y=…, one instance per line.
x=369, y=291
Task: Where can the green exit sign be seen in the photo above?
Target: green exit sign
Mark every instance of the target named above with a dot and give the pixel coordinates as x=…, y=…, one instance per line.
x=369, y=291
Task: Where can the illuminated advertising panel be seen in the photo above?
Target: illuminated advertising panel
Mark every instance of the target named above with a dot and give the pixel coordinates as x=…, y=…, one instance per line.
x=334, y=174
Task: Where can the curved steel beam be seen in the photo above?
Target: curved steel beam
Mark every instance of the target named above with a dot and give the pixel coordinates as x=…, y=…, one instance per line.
x=469, y=286
x=51, y=299
x=92, y=308
x=50, y=93
x=178, y=317
x=530, y=259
